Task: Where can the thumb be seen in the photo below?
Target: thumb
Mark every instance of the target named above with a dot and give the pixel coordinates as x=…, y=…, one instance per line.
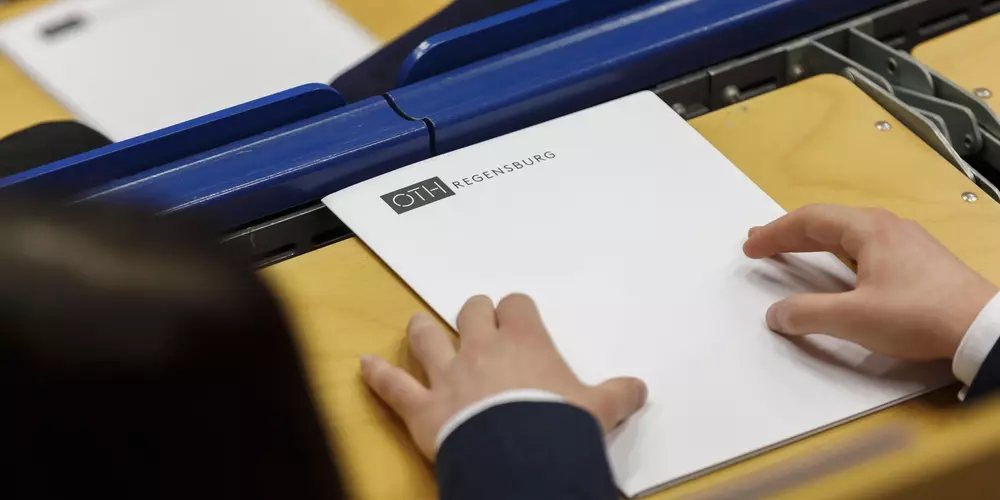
x=811, y=313
x=617, y=400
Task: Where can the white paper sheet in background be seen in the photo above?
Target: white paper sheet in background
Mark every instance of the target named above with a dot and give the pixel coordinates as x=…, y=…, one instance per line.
x=627, y=229
x=135, y=66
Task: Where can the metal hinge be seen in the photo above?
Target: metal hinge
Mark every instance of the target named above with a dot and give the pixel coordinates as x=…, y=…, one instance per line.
x=956, y=123
x=952, y=120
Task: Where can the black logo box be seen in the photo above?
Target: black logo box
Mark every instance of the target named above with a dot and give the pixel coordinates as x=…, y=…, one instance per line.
x=417, y=195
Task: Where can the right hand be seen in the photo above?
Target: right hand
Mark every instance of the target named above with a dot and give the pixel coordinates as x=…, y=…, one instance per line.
x=913, y=300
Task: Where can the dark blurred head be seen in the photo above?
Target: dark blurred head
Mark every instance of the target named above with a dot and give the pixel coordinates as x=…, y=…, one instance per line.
x=139, y=360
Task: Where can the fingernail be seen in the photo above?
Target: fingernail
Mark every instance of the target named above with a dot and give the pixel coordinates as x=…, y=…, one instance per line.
x=643, y=392
x=773, y=319
x=366, y=361
x=753, y=230
x=419, y=317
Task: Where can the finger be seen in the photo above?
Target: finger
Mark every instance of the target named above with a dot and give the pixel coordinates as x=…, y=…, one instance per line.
x=618, y=399
x=431, y=345
x=477, y=317
x=519, y=312
x=815, y=228
x=830, y=313
x=393, y=385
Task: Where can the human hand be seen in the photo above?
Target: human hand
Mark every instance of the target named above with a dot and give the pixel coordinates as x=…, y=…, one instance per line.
x=501, y=349
x=913, y=300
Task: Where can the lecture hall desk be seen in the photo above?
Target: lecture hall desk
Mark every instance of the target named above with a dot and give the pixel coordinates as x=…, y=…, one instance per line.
x=814, y=141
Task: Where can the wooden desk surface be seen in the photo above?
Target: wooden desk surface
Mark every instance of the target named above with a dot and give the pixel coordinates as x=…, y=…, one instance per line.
x=968, y=56
x=815, y=141
x=387, y=19
x=23, y=104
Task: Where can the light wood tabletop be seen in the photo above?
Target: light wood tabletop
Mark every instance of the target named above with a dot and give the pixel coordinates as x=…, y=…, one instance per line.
x=815, y=141
x=387, y=19
x=968, y=56
x=23, y=103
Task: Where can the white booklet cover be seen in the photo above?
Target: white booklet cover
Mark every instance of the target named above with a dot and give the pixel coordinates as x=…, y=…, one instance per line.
x=128, y=67
x=626, y=226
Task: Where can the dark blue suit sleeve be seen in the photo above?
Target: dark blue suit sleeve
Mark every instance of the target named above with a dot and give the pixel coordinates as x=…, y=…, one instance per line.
x=526, y=451
x=988, y=379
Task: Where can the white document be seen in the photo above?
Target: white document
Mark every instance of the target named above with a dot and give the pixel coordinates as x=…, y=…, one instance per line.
x=128, y=67
x=626, y=226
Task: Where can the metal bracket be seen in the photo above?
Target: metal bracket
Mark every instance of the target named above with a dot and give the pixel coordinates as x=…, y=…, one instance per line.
x=899, y=68
x=922, y=88
x=991, y=149
x=936, y=120
x=814, y=58
x=921, y=126
x=966, y=116
x=907, y=73
x=936, y=97
x=948, y=90
x=962, y=129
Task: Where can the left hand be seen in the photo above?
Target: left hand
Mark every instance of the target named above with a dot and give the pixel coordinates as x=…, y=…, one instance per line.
x=502, y=348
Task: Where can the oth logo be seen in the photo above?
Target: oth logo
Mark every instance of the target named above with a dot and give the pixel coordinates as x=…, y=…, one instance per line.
x=415, y=196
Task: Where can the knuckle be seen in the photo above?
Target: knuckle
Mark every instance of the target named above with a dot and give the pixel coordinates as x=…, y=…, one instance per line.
x=875, y=225
x=393, y=391
x=421, y=346
x=381, y=384
x=523, y=337
x=808, y=211
x=911, y=225
x=882, y=218
x=473, y=358
x=815, y=207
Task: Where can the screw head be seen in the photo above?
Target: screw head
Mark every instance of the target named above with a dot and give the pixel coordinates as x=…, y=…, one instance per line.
x=970, y=197
x=883, y=126
x=892, y=66
x=983, y=93
x=731, y=94
x=798, y=71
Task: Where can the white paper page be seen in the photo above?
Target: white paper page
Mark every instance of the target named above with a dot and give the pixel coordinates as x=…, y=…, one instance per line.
x=135, y=66
x=629, y=238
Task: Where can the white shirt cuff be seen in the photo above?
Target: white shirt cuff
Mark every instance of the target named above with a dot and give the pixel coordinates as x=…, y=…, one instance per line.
x=512, y=396
x=978, y=342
